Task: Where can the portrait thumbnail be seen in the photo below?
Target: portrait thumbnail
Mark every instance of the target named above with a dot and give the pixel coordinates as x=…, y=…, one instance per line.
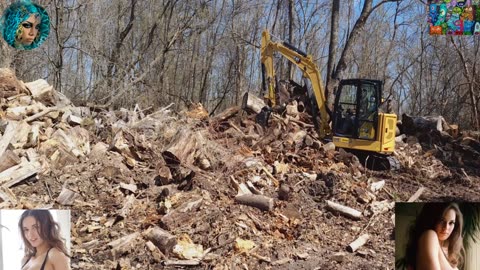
x=25, y=25
x=35, y=239
x=437, y=235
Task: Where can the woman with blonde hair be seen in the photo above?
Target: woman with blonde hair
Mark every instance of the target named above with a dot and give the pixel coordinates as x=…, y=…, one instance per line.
x=44, y=249
x=436, y=240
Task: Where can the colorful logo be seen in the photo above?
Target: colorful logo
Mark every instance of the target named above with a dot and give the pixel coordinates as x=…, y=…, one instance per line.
x=454, y=17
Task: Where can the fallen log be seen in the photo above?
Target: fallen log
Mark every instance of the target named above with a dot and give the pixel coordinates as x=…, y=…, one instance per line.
x=346, y=211
x=259, y=201
x=413, y=124
x=227, y=114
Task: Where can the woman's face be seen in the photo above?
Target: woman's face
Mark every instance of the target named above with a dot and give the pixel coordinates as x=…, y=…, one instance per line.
x=30, y=29
x=31, y=230
x=446, y=225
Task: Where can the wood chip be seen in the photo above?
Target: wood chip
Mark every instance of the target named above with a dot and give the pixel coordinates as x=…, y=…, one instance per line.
x=181, y=262
x=281, y=261
x=130, y=187
x=417, y=194
x=67, y=197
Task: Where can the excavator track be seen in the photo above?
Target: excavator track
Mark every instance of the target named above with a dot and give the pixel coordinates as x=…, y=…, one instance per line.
x=377, y=161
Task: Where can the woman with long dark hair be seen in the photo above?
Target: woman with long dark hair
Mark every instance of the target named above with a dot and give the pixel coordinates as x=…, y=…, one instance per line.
x=44, y=248
x=436, y=240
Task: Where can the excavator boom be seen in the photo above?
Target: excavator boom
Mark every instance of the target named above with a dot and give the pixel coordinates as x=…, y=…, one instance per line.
x=357, y=121
x=305, y=63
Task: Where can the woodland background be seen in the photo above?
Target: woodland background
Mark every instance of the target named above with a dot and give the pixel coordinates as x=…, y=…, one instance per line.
x=120, y=53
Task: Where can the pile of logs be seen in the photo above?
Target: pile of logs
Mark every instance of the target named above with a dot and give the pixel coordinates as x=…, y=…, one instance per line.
x=40, y=129
x=447, y=143
x=165, y=189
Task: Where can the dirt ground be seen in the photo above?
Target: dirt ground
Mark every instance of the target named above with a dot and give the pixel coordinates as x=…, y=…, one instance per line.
x=299, y=233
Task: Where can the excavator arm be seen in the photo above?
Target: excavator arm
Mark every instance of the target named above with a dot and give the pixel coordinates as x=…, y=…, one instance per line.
x=305, y=63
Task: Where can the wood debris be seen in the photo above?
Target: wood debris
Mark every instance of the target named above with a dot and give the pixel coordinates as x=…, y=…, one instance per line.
x=141, y=180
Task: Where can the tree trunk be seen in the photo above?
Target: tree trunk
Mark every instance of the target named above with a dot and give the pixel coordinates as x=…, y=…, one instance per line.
x=290, y=34
x=332, y=49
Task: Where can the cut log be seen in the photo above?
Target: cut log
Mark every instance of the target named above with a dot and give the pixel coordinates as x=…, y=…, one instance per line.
x=453, y=131
x=261, y=202
x=33, y=136
x=292, y=110
x=227, y=114
x=123, y=244
x=121, y=145
x=41, y=91
x=345, y=210
x=360, y=241
x=182, y=214
x=183, y=148
x=18, y=173
x=99, y=151
x=74, y=120
x=252, y=103
x=7, y=136
x=62, y=157
x=197, y=111
x=21, y=135
x=40, y=114
x=164, y=240
x=413, y=124
x=8, y=160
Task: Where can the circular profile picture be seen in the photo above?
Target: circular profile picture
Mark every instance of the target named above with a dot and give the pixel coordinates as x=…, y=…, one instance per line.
x=25, y=25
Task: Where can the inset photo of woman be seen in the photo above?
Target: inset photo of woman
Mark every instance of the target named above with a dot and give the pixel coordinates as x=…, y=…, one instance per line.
x=440, y=235
x=25, y=25
x=37, y=239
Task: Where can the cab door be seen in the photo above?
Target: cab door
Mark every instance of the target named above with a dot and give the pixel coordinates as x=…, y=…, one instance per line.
x=356, y=109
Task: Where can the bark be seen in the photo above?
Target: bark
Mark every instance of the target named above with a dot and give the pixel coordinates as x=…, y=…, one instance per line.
x=332, y=49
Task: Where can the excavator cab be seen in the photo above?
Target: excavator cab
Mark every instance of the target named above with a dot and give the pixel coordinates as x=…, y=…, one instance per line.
x=358, y=124
x=356, y=109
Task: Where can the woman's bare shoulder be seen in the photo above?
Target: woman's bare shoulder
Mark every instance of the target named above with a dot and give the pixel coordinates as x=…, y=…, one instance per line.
x=58, y=259
x=430, y=238
x=429, y=234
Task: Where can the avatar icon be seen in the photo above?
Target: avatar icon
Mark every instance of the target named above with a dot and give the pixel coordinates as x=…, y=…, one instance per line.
x=25, y=25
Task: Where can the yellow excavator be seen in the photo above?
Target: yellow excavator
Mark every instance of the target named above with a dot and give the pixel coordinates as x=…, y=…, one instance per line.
x=357, y=124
